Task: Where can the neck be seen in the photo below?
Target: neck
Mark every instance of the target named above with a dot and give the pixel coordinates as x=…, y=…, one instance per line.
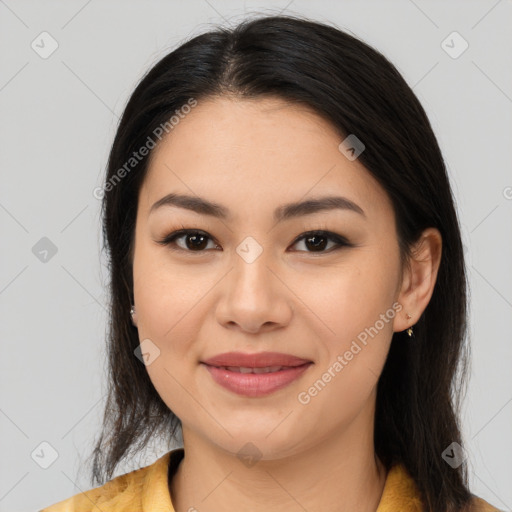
x=340, y=473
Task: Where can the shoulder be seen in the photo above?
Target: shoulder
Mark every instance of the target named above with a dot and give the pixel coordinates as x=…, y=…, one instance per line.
x=123, y=493
x=480, y=505
x=401, y=493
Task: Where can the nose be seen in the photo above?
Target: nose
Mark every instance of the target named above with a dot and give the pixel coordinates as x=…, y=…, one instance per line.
x=254, y=298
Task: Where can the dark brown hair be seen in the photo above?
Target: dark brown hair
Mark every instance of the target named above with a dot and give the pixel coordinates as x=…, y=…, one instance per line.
x=360, y=92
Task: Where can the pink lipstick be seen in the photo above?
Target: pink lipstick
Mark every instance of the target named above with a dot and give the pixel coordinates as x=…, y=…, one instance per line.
x=256, y=374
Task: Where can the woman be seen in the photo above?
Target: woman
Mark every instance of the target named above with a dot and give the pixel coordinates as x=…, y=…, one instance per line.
x=288, y=284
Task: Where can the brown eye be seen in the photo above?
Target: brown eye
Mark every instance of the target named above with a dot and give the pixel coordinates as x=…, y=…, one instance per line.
x=317, y=241
x=194, y=241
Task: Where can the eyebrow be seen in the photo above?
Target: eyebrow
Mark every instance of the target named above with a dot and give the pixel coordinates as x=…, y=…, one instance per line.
x=281, y=213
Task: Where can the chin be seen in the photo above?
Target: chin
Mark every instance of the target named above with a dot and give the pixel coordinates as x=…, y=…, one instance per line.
x=259, y=444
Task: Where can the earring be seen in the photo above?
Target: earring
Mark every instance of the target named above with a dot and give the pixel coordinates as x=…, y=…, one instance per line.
x=132, y=312
x=409, y=331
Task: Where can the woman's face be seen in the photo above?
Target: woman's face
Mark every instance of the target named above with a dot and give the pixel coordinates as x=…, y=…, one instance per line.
x=250, y=284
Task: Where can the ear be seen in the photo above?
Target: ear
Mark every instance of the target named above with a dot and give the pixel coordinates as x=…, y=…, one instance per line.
x=419, y=278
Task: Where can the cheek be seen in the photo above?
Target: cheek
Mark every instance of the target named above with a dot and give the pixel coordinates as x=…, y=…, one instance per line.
x=164, y=295
x=168, y=306
x=357, y=309
x=357, y=294
x=347, y=374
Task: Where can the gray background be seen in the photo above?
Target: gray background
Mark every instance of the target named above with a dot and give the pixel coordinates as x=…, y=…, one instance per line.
x=58, y=117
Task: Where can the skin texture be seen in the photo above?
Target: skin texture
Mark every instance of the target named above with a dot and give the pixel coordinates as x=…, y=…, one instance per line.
x=252, y=156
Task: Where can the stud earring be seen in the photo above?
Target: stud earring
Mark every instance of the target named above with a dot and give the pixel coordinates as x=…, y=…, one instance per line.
x=132, y=312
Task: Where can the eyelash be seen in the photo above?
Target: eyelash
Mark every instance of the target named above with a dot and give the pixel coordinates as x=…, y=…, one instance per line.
x=338, y=239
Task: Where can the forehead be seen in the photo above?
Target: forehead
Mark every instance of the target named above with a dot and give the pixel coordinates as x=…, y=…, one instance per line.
x=248, y=129
x=252, y=152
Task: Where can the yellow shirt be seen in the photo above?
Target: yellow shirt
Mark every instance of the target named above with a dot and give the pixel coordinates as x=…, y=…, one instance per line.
x=146, y=490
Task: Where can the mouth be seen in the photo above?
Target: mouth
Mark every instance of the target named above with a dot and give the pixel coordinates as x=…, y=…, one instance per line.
x=255, y=375
x=246, y=369
x=255, y=360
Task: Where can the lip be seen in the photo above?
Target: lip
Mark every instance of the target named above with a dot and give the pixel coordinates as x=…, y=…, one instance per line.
x=256, y=360
x=255, y=384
